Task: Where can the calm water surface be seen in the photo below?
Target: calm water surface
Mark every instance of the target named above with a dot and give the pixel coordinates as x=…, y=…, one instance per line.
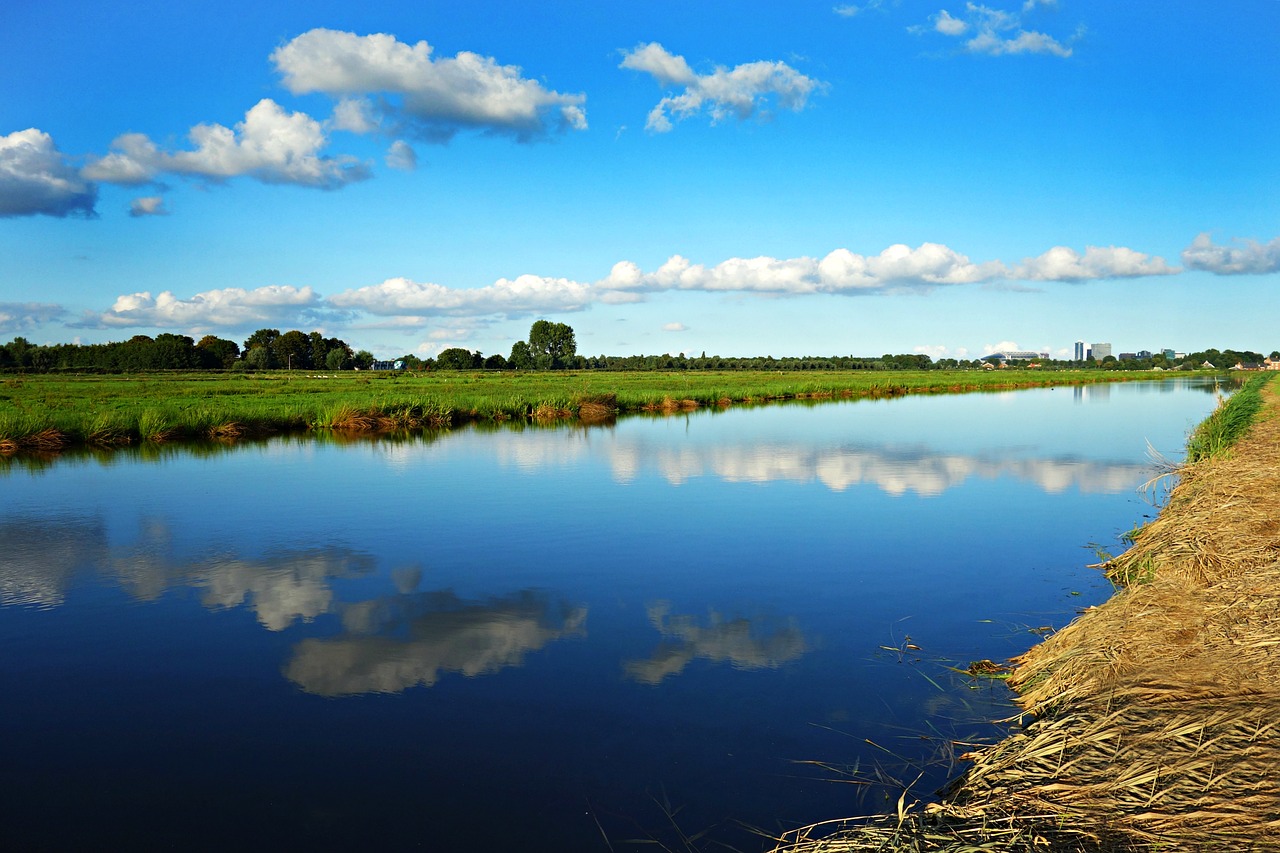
x=537, y=639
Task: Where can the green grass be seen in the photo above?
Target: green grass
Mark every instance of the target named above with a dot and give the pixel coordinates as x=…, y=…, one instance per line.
x=46, y=412
x=1217, y=433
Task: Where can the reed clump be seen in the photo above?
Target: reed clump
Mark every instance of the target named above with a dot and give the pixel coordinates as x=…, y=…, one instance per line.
x=1152, y=722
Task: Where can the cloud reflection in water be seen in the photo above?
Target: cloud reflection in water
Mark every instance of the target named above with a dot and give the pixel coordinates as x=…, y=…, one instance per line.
x=742, y=643
x=394, y=643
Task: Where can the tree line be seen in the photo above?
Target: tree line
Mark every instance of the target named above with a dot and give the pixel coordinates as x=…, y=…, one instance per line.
x=550, y=346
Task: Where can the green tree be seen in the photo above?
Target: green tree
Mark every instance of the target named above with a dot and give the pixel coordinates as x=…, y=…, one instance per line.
x=258, y=357
x=552, y=343
x=292, y=350
x=260, y=338
x=521, y=357
x=363, y=360
x=456, y=358
x=495, y=362
x=337, y=359
x=217, y=352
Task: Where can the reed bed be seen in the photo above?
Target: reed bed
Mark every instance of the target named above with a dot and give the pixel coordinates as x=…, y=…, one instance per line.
x=1152, y=722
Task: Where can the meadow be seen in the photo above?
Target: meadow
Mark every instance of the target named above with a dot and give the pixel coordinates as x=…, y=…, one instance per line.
x=49, y=412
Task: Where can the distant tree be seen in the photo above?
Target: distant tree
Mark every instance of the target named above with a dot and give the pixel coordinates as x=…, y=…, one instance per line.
x=363, y=359
x=337, y=359
x=457, y=358
x=292, y=350
x=521, y=357
x=552, y=343
x=217, y=352
x=260, y=338
x=412, y=362
x=1275, y=355
x=258, y=358
x=495, y=362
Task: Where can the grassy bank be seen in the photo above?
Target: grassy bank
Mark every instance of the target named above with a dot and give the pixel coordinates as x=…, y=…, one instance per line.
x=51, y=412
x=1152, y=722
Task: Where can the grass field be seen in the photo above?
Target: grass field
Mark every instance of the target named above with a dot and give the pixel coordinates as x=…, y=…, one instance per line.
x=48, y=412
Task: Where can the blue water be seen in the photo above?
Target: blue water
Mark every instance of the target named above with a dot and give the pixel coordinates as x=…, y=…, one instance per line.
x=545, y=638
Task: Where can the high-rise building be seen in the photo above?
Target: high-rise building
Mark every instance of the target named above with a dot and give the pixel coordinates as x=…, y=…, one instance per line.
x=1079, y=350
x=1100, y=351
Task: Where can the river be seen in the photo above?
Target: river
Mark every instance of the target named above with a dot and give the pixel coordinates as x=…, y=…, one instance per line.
x=553, y=638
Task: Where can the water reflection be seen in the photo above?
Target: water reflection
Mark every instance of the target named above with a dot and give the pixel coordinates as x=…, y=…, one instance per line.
x=39, y=558
x=742, y=643
x=394, y=643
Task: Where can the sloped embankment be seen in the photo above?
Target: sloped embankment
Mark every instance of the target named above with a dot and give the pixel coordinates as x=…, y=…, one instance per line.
x=1153, y=721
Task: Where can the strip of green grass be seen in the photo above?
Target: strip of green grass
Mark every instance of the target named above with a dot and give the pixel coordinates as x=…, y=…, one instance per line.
x=47, y=412
x=1218, y=433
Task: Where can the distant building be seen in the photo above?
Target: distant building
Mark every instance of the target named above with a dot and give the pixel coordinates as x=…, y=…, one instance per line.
x=1013, y=355
x=1127, y=356
x=1144, y=355
x=1100, y=351
x=398, y=364
x=1080, y=351
x=1171, y=354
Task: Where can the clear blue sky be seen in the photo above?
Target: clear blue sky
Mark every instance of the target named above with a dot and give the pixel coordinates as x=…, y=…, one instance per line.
x=740, y=178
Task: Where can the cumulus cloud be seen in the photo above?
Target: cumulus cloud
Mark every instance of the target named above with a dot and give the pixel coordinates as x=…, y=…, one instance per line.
x=271, y=145
x=898, y=267
x=232, y=306
x=35, y=178
x=402, y=156
x=739, y=91
x=1065, y=264
x=740, y=642
x=521, y=296
x=20, y=316
x=423, y=96
x=997, y=32
x=675, y=327
x=152, y=205
x=1247, y=257
x=850, y=10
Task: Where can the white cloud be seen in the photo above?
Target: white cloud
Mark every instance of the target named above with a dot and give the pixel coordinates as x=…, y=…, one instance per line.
x=739, y=91
x=997, y=32
x=272, y=145
x=19, y=316
x=675, y=327
x=947, y=25
x=1065, y=264
x=437, y=97
x=402, y=156
x=526, y=294
x=232, y=306
x=1248, y=257
x=36, y=179
x=152, y=205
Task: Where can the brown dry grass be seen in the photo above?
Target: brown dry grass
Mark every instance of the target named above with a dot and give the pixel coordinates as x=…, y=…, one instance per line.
x=1153, y=720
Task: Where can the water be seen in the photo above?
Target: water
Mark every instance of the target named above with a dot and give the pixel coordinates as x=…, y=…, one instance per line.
x=540, y=639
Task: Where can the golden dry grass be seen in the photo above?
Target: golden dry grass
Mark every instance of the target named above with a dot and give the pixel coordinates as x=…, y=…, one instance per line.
x=1152, y=721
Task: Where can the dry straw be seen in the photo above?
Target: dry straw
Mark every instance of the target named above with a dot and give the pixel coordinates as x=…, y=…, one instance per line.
x=1153, y=721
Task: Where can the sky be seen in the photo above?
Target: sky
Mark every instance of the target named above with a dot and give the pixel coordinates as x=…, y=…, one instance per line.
x=735, y=178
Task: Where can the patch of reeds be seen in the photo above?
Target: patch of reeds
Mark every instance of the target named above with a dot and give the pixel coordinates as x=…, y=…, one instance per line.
x=1153, y=720
x=1220, y=431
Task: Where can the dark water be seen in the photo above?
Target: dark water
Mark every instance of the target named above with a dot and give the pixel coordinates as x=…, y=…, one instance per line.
x=540, y=639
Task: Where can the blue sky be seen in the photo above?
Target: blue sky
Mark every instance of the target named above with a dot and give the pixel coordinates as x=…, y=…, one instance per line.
x=739, y=178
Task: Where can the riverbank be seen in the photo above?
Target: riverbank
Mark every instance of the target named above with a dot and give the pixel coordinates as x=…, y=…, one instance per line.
x=1152, y=722
x=51, y=412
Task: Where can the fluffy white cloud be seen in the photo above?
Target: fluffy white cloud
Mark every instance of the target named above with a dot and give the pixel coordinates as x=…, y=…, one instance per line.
x=739, y=91
x=19, y=316
x=1065, y=264
x=152, y=205
x=996, y=32
x=526, y=294
x=898, y=267
x=272, y=145
x=437, y=97
x=402, y=156
x=675, y=327
x=36, y=179
x=1248, y=257
x=232, y=306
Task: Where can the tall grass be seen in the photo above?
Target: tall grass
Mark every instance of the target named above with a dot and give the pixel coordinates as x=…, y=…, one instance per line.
x=1217, y=433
